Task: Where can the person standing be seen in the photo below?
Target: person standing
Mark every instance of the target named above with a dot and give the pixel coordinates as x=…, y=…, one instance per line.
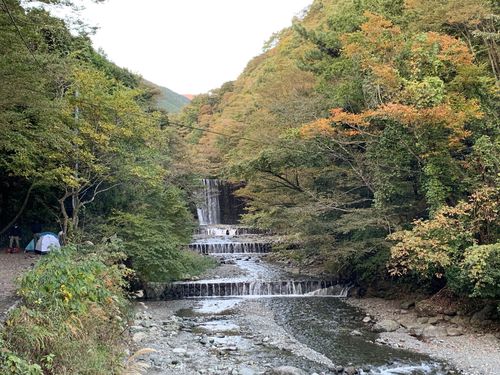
x=14, y=236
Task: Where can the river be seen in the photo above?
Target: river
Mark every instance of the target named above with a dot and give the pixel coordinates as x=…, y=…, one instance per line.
x=249, y=317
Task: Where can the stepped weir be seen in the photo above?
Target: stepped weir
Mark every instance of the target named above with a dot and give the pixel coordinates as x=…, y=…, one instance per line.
x=223, y=240
x=255, y=288
x=231, y=248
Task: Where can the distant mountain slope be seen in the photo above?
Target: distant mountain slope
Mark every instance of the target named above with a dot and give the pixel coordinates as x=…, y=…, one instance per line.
x=168, y=99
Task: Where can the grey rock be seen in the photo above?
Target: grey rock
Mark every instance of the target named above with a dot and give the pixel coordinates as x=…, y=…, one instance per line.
x=386, y=325
x=285, y=370
x=434, y=320
x=455, y=331
x=423, y=320
x=406, y=305
x=356, y=333
x=485, y=314
x=434, y=331
x=350, y=370
x=460, y=320
x=415, y=331
x=367, y=319
x=139, y=336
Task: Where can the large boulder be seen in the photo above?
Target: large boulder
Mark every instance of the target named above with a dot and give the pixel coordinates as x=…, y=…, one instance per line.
x=386, y=325
x=434, y=331
x=485, y=314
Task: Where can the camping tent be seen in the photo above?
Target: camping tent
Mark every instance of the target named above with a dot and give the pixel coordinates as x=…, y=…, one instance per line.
x=46, y=242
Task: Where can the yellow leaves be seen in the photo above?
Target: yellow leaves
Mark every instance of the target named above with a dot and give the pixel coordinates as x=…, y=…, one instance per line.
x=433, y=245
x=65, y=293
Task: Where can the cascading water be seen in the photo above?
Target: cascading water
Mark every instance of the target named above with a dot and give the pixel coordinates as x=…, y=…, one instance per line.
x=209, y=210
x=298, y=305
x=231, y=248
x=256, y=288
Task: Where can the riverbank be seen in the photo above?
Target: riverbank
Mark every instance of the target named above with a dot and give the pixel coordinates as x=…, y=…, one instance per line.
x=467, y=346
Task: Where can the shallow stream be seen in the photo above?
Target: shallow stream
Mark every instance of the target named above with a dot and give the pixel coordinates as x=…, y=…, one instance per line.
x=252, y=334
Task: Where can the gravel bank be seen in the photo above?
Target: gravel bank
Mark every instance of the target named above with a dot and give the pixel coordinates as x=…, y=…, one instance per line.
x=227, y=337
x=468, y=348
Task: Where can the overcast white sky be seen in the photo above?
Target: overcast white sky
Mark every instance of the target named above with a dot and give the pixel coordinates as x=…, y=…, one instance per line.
x=189, y=46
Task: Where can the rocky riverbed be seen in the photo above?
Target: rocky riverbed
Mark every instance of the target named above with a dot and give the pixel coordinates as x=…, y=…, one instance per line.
x=264, y=335
x=220, y=337
x=463, y=341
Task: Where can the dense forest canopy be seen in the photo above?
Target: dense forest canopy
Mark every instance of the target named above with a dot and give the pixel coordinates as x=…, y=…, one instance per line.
x=84, y=146
x=368, y=134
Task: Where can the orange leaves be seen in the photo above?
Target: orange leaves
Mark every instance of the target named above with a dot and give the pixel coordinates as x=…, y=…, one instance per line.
x=451, y=49
x=431, y=48
x=334, y=125
x=378, y=41
x=320, y=127
x=340, y=116
x=402, y=113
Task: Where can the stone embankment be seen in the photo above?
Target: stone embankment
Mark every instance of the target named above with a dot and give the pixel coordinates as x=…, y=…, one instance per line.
x=469, y=343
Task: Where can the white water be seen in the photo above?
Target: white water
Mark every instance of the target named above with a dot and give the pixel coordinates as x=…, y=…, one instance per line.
x=209, y=210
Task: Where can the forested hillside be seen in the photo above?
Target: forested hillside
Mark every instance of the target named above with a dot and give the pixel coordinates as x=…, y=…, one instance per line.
x=84, y=148
x=368, y=137
x=167, y=99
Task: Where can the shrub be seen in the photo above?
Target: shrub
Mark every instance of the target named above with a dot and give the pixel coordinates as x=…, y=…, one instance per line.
x=73, y=304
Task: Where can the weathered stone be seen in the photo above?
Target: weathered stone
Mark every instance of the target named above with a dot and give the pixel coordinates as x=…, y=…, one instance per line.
x=406, y=305
x=356, y=333
x=434, y=331
x=386, y=325
x=460, y=320
x=486, y=313
x=455, y=331
x=285, y=370
x=434, y=320
x=367, y=319
x=351, y=370
x=422, y=320
x=415, y=331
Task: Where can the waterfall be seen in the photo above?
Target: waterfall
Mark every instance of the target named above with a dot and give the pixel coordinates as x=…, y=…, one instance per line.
x=198, y=289
x=209, y=210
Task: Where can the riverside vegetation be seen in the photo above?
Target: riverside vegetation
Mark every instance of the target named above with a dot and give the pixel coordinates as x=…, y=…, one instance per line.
x=368, y=137
x=365, y=135
x=85, y=143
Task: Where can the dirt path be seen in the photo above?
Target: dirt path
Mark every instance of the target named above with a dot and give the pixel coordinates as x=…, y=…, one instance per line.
x=11, y=266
